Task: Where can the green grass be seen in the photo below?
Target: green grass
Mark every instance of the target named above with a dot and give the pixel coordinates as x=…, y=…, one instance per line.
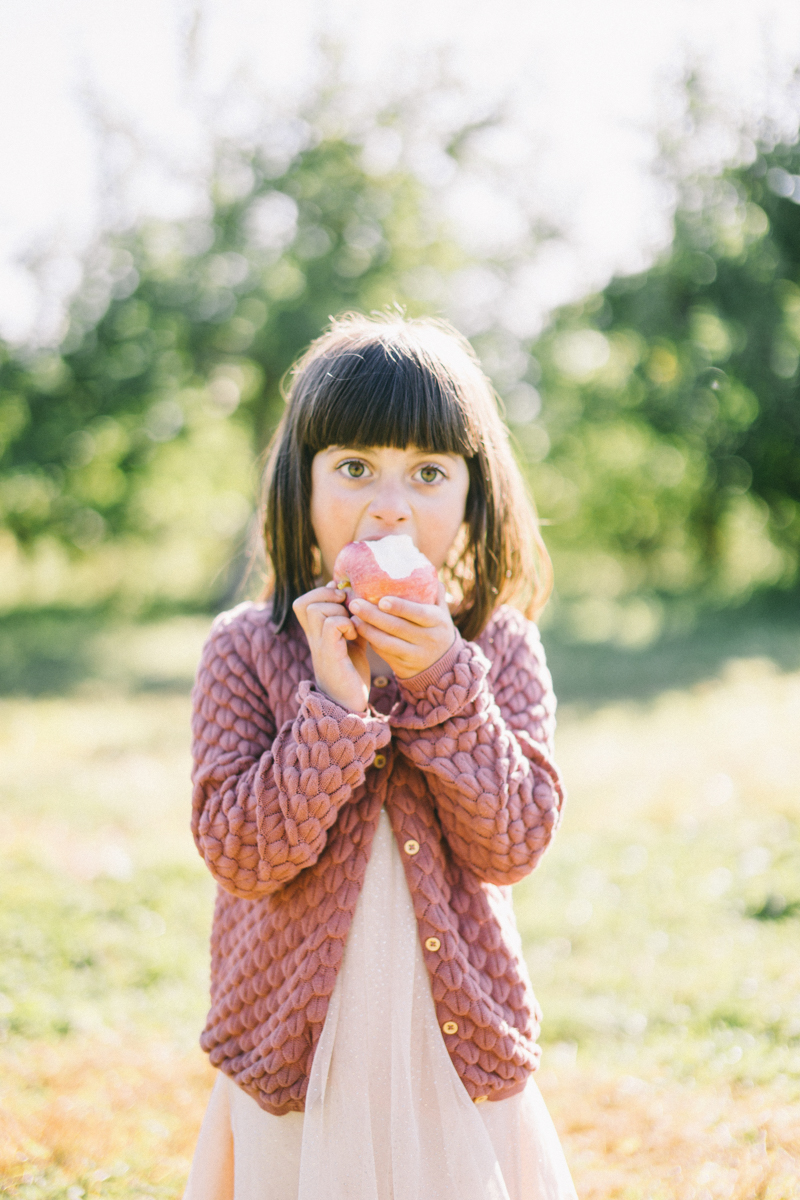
x=104, y=904
x=661, y=930
x=669, y=971
x=103, y=955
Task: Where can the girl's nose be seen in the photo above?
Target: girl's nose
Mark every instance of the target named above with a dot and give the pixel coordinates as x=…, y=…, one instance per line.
x=390, y=504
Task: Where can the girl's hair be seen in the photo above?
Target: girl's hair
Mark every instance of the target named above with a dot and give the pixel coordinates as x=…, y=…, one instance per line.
x=390, y=381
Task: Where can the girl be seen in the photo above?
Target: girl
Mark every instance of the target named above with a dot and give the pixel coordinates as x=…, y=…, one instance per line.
x=368, y=782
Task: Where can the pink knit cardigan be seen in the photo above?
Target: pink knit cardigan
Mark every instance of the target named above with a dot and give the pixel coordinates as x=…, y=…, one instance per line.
x=288, y=788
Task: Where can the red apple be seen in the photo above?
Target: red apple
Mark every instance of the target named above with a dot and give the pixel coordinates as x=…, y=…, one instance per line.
x=389, y=566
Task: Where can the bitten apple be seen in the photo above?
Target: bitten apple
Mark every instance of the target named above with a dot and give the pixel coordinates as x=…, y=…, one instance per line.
x=389, y=566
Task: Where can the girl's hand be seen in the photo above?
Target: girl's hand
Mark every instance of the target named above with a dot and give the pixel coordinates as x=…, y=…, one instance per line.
x=338, y=653
x=409, y=637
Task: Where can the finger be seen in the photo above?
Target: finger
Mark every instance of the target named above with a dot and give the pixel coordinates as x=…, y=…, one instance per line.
x=315, y=606
x=372, y=615
x=327, y=609
x=340, y=625
x=425, y=615
x=318, y=595
x=386, y=645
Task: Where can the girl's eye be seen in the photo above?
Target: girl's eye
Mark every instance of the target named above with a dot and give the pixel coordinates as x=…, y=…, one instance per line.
x=430, y=474
x=354, y=469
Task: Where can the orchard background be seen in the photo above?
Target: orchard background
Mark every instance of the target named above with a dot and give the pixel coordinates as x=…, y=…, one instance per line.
x=619, y=235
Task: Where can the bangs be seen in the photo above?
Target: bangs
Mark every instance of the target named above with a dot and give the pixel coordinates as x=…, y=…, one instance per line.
x=380, y=395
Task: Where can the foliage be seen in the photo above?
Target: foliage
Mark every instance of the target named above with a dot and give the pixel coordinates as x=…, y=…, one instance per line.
x=666, y=455
x=671, y=414
x=141, y=429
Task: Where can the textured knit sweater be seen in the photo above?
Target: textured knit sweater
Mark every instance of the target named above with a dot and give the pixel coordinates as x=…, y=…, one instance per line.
x=288, y=788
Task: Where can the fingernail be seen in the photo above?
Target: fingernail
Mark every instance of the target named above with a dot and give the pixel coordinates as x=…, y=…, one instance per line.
x=355, y=607
x=385, y=604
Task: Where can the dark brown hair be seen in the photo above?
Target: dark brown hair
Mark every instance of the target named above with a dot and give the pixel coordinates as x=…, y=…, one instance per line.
x=391, y=381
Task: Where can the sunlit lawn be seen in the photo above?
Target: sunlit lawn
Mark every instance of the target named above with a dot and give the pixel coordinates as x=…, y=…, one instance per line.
x=661, y=931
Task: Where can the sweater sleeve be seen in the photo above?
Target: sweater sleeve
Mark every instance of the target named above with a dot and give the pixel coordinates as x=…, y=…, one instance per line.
x=482, y=733
x=264, y=799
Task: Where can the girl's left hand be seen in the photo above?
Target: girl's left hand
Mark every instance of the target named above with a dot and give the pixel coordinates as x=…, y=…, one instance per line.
x=409, y=637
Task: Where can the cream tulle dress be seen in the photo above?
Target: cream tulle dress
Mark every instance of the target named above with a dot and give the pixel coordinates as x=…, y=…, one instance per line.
x=387, y=1117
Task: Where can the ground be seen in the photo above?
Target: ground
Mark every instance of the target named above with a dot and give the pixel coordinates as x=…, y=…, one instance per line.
x=660, y=931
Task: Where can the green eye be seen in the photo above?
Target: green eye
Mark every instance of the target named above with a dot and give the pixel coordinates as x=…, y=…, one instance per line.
x=429, y=474
x=354, y=469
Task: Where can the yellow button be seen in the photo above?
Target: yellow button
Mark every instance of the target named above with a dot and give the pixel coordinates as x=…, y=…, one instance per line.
x=480, y=1099
x=449, y=1027
x=379, y=760
x=380, y=681
x=411, y=847
x=433, y=944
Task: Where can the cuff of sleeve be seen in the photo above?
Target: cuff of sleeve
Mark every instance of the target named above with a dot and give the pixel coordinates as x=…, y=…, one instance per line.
x=353, y=725
x=446, y=689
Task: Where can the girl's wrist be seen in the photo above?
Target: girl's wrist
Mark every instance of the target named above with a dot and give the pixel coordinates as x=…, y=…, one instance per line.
x=430, y=674
x=411, y=671
x=342, y=701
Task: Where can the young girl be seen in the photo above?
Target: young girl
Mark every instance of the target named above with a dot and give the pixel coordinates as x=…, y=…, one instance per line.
x=368, y=782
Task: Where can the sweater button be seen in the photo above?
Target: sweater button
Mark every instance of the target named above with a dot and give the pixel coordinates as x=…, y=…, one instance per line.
x=433, y=943
x=449, y=1027
x=379, y=761
x=411, y=847
x=380, y=681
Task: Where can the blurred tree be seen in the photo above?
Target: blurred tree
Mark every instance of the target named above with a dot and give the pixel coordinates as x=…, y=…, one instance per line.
x=668, y=448
x=142, y=426
x=663, y=441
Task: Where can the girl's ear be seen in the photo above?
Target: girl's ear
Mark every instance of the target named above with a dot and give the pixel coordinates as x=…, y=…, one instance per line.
x=316, y=561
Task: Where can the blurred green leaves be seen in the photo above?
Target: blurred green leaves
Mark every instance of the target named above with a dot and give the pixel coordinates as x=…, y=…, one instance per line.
x=658, y=422
x=133, y=445
x=670, y=406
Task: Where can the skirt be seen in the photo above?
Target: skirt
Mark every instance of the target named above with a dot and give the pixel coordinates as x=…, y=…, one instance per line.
x=386, y=1117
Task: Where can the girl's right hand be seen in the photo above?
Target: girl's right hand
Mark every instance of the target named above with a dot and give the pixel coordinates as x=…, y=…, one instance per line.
x=338, y=652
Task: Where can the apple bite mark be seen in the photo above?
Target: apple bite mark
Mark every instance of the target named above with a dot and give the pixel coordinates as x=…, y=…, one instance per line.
x=389, y=566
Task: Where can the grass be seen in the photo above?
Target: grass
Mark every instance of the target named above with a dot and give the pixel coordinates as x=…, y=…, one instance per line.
x=661, y=932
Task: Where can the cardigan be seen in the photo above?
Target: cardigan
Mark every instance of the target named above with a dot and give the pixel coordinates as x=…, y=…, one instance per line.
x=287, y=790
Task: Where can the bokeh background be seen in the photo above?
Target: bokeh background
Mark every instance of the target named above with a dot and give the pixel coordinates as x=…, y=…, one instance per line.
x=605, y=197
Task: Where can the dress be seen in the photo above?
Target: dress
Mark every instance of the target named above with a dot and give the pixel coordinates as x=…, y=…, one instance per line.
x=387, y=1117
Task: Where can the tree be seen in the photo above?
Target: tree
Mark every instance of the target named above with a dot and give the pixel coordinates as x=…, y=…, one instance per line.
x=671, y=415
x=140, y=430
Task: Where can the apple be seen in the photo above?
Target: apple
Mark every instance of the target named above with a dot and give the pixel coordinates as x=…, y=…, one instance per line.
x=389, y=566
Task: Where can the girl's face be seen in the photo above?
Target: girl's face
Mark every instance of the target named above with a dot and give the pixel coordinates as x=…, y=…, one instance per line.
x=359, y=494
